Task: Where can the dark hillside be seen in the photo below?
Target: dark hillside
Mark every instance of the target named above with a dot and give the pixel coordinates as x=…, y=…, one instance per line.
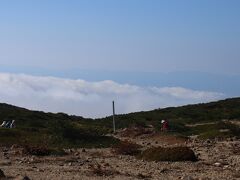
x=62, y=130
x=178, y=117
x=49, y=129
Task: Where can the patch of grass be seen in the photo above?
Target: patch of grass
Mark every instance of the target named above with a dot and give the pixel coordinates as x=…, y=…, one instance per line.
x=37, y=151
x=126, y=148
x=59, y=137
x=135, y=131
x=168, y=154
x=211, y=131
x=42, y=151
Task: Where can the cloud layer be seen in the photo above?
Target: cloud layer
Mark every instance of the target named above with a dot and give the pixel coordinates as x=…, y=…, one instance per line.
x=92, y=99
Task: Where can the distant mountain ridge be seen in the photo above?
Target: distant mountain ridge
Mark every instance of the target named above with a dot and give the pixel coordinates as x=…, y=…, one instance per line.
x=228, y=108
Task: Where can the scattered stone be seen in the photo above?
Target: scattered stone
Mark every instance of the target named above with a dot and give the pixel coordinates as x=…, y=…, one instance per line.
x=31, y=159
x=76, y=153
x=217, y=164
x=163, y=170
x=208, y=141
x=5, y=163
x=40, y=170
x=226, y=167
x=106, y=164
x=2, y=175
x=22, y=178
x=143, y=176
x=83, y=150
x=68, y=150
x=187, y=178
x=5, y=150
x=14, y=146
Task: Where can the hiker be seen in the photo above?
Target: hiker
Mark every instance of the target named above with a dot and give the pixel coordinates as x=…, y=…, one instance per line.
x=4, y=124
x=165, y=126
x=12, y=125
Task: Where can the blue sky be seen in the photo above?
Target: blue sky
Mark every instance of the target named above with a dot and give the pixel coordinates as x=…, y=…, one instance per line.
x=160, y=43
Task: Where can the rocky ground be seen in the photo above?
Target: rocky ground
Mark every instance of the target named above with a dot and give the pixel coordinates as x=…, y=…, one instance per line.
x=217, y=160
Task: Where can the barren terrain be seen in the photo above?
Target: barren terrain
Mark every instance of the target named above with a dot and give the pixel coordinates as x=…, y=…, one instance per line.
x=218, y=159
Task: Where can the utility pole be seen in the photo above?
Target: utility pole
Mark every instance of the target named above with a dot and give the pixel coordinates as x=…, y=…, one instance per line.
x=114, y=128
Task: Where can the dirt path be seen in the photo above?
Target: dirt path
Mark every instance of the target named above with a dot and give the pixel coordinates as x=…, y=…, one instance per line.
x=200, y=124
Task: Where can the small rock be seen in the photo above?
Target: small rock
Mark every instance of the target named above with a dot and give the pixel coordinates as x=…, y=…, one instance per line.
x=106, y=164
x=163, y=170
x=81, y=164
x=208, y=141
x=83, y=150
x=69, y=151
x=187, y=178
x=14, y=146
x=22, y=178
x=70, y=164
x=5, y=150
x=226, y=166
x=217, y=164
x=76, y=153
x=40, y=170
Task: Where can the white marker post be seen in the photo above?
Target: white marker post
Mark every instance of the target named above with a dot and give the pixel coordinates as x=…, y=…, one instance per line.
x=114, y=128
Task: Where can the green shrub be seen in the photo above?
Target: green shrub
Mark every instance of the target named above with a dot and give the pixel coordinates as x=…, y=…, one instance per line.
x=37, y=151
x=126, y=148
x=42, y=151
x=168, y=154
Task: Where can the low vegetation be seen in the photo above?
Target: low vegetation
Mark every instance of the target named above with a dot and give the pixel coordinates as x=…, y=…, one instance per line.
x=127, y=148
x=42, y=151
x=61, y=130
x=178, y=117
x=34, y=128
x=168, y=154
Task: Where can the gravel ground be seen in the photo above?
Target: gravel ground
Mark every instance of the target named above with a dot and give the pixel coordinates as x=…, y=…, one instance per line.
x=217, y=160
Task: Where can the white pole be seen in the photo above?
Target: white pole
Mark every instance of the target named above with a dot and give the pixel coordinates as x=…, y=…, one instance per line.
x=114, y=128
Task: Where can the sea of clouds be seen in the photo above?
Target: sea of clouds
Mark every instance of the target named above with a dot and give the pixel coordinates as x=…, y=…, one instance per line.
x=92, y=99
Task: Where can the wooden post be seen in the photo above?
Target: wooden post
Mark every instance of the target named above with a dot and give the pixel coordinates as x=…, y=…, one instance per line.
x=114, y=128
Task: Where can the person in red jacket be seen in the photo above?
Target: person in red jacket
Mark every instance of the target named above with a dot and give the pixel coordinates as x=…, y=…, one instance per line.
x=165, y=126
